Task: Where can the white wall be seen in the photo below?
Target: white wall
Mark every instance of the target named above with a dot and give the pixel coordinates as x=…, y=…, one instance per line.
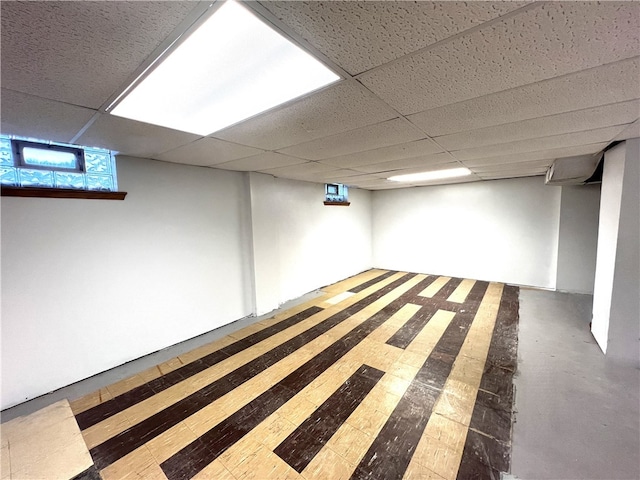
x=503, y=230
x=578, y=238
x=299, y=244
x=616, y=300
x=90, y=284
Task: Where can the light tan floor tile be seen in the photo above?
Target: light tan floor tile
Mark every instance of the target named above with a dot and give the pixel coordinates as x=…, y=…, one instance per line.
x=240, y=454
x=412, y=358
x=109, y=427
x=201, y=423
x=273, y=430
x=459, y=295
x=456, y=401
x=125, y=385
x=429, y=336
x=421, y=473
x=297, y=410
x=170, y=442
x=447, y=431
x=5, y=462
x=394, y=385
x=44, y=444
x=139, y=464
x=214, y=471
x=435, y=287
x=335, y=299
x=354, y=281
x=265, y=465
x=367, y=419
x=205, y=350
x=246, y=331
x=89, y=401
x=435, y=455
x=328, y=464
x=350, y=443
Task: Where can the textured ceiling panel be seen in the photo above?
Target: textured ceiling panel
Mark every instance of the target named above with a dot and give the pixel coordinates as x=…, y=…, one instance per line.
x=35, y=117
x=615, y=82
x=632, y=131
x=81, y=52
x=391, y=132
x=425, y=162
x=133, y=138
x=420, y=169
x=345, y=106
x=514, y=167
x=264, y=161
x=512, y=174
x=208, y=152
x=385, y=154
x=539, y=155
x=589, y=119
x=538, y=144
x=335, y=176
x=298, y=171
x=554, y=39
x=361, y=35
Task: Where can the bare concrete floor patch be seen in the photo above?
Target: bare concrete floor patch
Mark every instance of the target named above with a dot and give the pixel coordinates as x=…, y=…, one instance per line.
x=577, y=414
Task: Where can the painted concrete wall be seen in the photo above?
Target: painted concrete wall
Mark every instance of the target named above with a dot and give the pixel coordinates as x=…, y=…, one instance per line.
x=90, y=284
x=299, y=244
x=503, y=230
x=578, y=238
x=616, y=301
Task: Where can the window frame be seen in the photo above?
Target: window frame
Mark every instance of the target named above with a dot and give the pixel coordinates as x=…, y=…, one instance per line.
x=18, y=147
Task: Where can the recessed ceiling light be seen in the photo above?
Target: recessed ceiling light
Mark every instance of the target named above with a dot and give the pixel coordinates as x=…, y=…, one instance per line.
x=232, y=67
x=433, y=175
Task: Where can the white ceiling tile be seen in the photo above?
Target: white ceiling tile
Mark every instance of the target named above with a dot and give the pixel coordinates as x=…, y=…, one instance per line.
x=339, y=108
x=81, y=52
x=554, y=39
x=448, y=181
x=514, y=167
x=391, y=132
x=208, y=152
x=261, y=162
x=386, y=154
x=421, y=169
x=424, y=162
x=589, y=119
x=539, y=155
x=133, y=138
x=361, y=35
x=333, y=175
x=612, y=83
x=35, y=117
x=538, y=144
x=632, y=131
x=512, y=174
x=302, y=171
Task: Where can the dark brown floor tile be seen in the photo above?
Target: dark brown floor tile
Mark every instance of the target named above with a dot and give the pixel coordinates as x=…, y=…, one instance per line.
x=299, y=448
x=373, y=281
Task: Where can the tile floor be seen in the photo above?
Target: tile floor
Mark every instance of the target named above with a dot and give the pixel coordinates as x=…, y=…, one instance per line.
x=385, y=375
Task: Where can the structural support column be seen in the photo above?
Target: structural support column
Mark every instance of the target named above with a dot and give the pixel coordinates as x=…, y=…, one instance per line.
x=616, y=300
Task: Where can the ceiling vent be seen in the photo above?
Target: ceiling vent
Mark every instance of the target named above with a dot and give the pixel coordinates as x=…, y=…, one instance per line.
x=574, y=170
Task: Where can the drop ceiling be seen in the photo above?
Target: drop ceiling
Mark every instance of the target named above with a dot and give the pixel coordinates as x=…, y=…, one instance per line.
x=503, y=88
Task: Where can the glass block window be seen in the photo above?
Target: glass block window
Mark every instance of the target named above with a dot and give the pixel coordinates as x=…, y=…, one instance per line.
x=336, y=192
x=26, y=162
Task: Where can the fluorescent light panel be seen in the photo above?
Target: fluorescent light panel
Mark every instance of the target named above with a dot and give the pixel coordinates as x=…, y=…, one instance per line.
x=231, y=68
x=433, y=175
